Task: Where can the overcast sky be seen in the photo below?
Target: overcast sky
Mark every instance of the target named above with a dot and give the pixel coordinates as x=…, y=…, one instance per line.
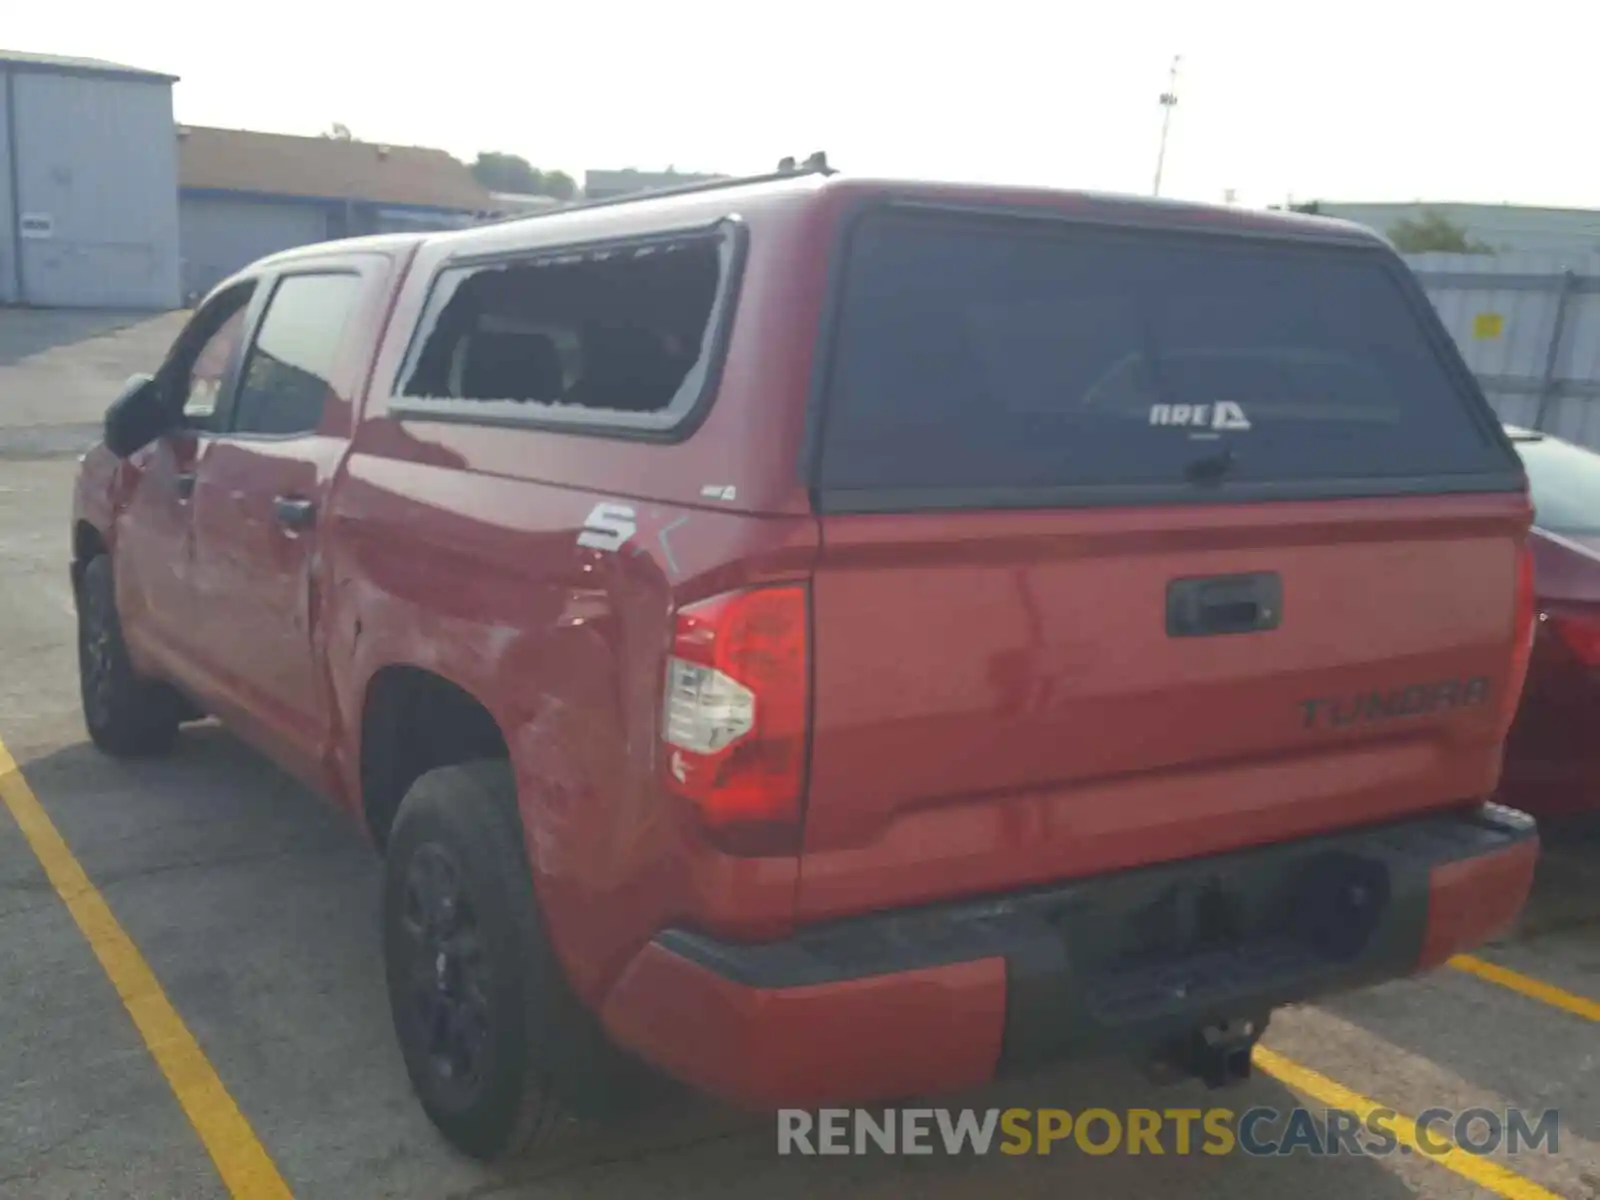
x=1355, y=100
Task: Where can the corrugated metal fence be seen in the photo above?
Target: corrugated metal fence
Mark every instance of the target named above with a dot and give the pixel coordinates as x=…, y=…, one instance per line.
x=1529, y=327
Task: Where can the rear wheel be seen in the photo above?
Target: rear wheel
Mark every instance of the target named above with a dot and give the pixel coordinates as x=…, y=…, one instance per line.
x=498, y=1048
x=126, y=715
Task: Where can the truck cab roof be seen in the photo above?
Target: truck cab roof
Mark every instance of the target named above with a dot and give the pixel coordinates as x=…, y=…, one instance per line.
x=768, y=199
x=776, y=198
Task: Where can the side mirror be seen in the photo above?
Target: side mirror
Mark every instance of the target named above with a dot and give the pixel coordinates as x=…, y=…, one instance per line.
x=137, y=417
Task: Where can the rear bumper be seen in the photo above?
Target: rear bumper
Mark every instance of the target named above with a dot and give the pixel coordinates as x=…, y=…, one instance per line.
x=934, y=999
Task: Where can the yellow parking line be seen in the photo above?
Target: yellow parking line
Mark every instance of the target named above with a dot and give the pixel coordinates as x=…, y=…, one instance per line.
x=241, y=1160
x=1545, y=993
x=1484, y=1172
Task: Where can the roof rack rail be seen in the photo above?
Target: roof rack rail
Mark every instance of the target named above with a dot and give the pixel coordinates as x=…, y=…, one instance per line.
x=813, y=164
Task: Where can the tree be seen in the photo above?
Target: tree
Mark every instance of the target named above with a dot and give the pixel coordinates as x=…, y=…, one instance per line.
x=559, y=184
x=1433, y=231
x=512, y=173
x=339, y=133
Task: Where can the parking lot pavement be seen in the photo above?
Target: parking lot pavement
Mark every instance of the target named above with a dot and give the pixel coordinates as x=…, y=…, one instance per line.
x=59, y=370
x=255, y=908
x=77, y=1097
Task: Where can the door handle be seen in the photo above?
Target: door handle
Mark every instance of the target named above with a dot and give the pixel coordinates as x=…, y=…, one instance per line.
x=183, y=484
x=1222, y=604
x=294, y=512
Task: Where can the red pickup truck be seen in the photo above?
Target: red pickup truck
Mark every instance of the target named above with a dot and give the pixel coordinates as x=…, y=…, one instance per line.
x=830, y=639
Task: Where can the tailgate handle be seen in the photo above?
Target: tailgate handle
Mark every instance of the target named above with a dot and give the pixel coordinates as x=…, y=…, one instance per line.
x=1219, y=604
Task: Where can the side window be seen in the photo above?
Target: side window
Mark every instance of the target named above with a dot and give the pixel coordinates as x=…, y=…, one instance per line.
x=620, y=331
x=209, y=368
x=201, y=362
x=286, y=378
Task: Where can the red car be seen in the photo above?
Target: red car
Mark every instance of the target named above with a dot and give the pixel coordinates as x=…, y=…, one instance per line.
x=838, y=639
x=1552, y=765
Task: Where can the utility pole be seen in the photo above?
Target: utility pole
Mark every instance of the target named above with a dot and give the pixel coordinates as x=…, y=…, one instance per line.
x=1169, y=101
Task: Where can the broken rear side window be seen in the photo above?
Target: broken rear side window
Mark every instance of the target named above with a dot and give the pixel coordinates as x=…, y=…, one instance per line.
x=620, y=334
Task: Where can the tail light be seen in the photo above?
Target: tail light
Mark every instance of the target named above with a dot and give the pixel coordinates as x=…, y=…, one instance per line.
x=1580, y=633
x=1522, y=630
x=734, y=716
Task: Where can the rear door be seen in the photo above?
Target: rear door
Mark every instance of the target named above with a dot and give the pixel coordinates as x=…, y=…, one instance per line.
x=258, y=495
x=1137, y=546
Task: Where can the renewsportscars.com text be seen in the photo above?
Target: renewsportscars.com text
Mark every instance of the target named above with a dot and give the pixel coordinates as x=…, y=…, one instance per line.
x=1258, y=1132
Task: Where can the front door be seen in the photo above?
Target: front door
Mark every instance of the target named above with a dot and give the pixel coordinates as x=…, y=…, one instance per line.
x=154, y=528
x=257, y=499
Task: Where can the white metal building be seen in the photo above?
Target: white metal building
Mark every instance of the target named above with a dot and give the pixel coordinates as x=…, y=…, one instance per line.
x=1504, y=228
x=1529, y=327
x=88, y=184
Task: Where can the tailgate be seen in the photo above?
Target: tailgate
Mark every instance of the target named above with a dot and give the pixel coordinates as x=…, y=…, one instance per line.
x=1136, y=551
x=999, y=700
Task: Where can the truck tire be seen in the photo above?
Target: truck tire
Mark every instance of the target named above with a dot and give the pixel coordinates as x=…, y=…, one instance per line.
x=127, y=716
x=499, y=1049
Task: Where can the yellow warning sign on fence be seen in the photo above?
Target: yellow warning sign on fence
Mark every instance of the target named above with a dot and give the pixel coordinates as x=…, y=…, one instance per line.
x=1487, y=326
